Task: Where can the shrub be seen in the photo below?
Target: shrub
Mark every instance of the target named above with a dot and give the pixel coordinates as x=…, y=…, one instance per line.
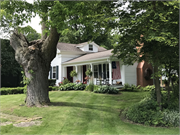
x=145, y=112
x=88, y=72
x=106, y=89
x=80, y=86
x=90, y=87
x=55, y=88
x=68, y=86
x=131, y=87
x=171, y=117
x=52, y=82
x=65, y=81
x=50, y=88
x=73, y=73
x=17, y=90
x=148, y=112
x=149, y=88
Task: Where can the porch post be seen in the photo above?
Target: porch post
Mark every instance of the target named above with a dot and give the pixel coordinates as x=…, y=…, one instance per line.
x=64, y=72
x=92, y=69
x=76, y=68
x=110, y=73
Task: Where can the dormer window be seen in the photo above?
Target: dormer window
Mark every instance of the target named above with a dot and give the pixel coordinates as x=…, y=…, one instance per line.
x=90, y=47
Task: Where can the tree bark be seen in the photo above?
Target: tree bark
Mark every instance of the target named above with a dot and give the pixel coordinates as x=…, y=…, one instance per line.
x=43, y=27
x=35, y=58
x=157, y=87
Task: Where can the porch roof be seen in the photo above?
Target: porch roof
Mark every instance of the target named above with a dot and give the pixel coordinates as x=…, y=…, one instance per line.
x=91, y=56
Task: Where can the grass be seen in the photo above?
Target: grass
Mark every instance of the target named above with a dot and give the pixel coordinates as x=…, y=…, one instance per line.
x=78, y=112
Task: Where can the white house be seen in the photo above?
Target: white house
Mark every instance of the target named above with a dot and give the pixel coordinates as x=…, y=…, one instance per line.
x=80, y=57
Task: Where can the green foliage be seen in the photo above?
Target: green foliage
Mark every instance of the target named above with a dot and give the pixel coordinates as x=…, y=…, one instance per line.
x=7, y=91
x=106, y=89
x=52, y=82
x=26, y=80
x=29, y=32
x=88, y=72
x=171, y=118
x=80, y=86
x=148, y=112
x=65, y=81
x=73, y=73
x=149, y=88
x=132, y=87
x=8, y=59
x=173, y=102
x=68, y=86
x=145, y=112
x=90, y=87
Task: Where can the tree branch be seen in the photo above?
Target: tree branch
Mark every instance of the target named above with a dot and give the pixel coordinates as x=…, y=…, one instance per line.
x=18, y=40
x=50, y=44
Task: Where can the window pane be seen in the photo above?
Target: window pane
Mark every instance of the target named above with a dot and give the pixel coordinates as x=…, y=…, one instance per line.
x=95, y=68
x=107, y=67
x=95, y=74
x=54, y=69
x=54, y=75
x=54, y=72
x=91, y=47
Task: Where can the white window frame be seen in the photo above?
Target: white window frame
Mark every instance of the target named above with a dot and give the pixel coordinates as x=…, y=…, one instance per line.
x=54, y=72
x=90, y=47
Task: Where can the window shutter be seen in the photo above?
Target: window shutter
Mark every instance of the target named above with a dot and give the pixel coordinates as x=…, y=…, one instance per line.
x=50, y=72
x=57, y=73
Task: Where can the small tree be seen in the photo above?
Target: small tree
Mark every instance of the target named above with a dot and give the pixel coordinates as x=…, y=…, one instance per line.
x=73, y=73
x=89, y=72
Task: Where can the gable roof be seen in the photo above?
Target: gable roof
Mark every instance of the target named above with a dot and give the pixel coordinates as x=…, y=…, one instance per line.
x=100, y=49
x=68, y=47
x=73, y=47
x=91, y=56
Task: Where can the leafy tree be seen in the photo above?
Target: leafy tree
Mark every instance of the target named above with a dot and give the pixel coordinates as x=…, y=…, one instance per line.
x=36, y=56
x=152, y=27
x=29, y=32
x=9, y=65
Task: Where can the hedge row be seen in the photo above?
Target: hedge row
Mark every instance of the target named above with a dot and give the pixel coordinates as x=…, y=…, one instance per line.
x=17, y=90
x=21, y=90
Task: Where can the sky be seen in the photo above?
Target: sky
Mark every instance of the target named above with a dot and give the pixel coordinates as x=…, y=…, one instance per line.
x=34, y=21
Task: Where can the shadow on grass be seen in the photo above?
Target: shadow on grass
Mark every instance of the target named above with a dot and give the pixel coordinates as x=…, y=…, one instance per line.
x=80, y=105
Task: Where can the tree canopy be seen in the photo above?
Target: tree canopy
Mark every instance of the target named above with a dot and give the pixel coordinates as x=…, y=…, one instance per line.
x=153, y=27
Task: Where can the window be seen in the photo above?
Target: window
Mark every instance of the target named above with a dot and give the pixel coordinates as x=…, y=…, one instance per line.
x=95, y=71
x=54, y=72
x=91, y=47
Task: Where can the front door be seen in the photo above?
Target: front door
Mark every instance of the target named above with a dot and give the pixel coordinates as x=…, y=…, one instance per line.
x=84, y=72
x=69, y=69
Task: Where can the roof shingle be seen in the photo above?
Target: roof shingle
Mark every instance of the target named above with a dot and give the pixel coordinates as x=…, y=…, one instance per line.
x=91, y=56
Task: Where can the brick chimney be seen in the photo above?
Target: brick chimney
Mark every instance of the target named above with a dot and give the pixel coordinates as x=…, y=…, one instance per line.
x=144, y=70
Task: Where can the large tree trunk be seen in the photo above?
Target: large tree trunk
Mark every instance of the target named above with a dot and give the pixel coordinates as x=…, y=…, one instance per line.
x=35, y=58
x=157, y=87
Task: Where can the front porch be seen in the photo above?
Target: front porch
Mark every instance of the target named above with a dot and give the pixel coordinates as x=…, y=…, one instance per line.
x=105, y=72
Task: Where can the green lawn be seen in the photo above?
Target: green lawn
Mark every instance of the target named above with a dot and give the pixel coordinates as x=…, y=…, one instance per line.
x=78, y=112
